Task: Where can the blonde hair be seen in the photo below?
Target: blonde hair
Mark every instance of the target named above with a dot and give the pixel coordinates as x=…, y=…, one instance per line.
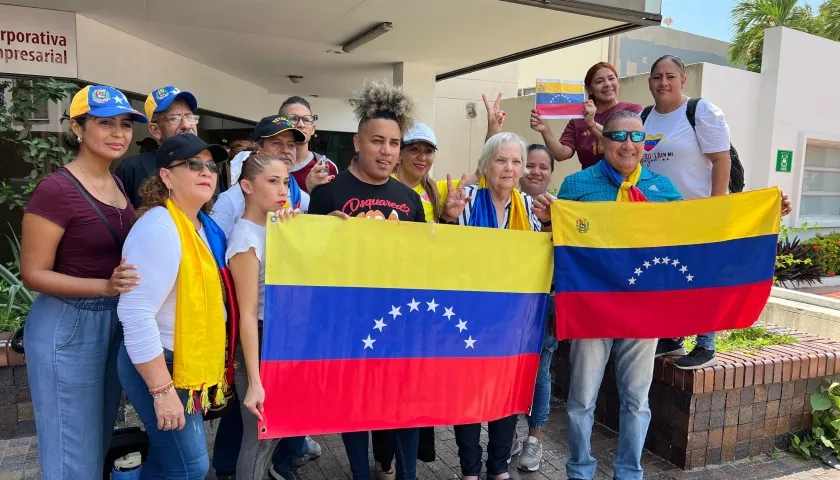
x=379, y=99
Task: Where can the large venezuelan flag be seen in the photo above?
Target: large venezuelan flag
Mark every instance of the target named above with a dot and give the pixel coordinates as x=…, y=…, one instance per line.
x=381, y=324
x=559, y=98
x=654, y=270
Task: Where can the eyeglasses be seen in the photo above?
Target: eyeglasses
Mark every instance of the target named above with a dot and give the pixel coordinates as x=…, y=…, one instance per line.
x=176, y=119
x=306, y=119
x=621, y=135
x=197, y=165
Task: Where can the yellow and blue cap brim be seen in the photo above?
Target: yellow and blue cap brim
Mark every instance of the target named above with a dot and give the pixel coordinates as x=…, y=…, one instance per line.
x=82, y=105
x=153, y=106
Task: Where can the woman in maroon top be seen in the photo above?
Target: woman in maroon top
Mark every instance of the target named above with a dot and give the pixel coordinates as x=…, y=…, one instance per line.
x=73, y=229
x=581, y=135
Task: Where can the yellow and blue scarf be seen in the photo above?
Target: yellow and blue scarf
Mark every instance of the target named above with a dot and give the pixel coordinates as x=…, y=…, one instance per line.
x=200, y=331
x=484, y=213
x=627, y=190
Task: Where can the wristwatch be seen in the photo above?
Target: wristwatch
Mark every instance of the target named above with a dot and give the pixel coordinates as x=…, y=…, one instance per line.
x=447, y=222
x=546, y=224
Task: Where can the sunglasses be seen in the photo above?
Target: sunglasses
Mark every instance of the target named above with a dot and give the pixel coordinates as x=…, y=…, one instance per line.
x=197, y=165
x=621, y=135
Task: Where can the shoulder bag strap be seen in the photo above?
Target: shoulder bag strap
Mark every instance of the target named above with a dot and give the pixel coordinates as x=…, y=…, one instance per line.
x=93, y=205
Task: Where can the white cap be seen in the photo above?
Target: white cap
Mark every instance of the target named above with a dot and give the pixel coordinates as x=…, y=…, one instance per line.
x=131, y=460
x=420, y=132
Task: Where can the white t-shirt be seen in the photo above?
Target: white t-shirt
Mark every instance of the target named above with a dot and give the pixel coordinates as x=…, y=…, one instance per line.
x=673, y=149
x=230, y=206
x=244, y=236
x=147, y=313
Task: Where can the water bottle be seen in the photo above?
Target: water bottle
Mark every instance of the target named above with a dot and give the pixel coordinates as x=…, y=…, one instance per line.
x=127, y=467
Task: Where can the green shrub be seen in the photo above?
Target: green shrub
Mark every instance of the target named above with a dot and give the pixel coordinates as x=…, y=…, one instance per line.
x=827, y=247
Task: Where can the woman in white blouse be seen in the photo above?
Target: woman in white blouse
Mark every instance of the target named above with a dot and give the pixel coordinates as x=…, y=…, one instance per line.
x=174, y=321
x=265, y=184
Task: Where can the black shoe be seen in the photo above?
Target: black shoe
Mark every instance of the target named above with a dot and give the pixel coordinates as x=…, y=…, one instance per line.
x=670, y=347
x=284, y=474
x=698, y=358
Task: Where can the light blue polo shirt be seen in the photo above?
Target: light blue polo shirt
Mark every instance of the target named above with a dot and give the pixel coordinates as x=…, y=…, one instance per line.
x=591, y=186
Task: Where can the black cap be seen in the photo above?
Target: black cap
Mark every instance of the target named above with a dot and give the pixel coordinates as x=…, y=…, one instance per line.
x=274, y=125
x=184, y=147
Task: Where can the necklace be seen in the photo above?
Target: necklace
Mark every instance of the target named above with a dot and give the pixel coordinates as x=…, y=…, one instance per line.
x=113, y=202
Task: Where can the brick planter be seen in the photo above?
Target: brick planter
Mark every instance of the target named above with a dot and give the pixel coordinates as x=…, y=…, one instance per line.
x=738, y=409
x=16, y=416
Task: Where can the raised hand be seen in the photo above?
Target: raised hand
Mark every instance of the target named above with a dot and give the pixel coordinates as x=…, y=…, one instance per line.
x=456, y=199
x=495, y=115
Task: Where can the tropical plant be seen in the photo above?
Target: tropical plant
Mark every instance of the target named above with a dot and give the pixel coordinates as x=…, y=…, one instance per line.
x=42, y=154
x=751, y=17
x=15, y=298
x=830, y=13
x=827, y=247
x=823, y=440
x=795, y=262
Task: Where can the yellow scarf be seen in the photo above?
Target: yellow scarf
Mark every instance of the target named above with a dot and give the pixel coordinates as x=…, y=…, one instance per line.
x=518, y=215
x=199, y=362
x=624, y=189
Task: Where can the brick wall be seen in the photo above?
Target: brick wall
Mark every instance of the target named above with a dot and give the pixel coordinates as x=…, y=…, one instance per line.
x=16, y=416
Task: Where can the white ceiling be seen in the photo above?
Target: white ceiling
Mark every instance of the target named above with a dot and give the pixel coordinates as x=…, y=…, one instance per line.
x=264, y=41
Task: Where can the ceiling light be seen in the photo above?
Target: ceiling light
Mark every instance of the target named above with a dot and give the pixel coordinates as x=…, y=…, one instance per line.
x=335, y=52
x=367, y=36
x=295, y=78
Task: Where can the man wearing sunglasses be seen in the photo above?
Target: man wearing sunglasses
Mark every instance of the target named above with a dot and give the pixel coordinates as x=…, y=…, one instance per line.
x=170, y=112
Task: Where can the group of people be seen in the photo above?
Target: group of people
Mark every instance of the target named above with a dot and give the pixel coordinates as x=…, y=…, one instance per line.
x=152, y=280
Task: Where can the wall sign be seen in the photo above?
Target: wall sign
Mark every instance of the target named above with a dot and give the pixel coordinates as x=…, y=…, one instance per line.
x=34, y=41
x=784, y=159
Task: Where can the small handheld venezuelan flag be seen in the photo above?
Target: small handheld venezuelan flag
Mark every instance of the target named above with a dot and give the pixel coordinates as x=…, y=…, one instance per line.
x=374, y=325
x=663, y=270
x=560, y=98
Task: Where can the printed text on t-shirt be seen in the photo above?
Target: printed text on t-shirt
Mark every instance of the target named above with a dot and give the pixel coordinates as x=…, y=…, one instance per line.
x=354, y=204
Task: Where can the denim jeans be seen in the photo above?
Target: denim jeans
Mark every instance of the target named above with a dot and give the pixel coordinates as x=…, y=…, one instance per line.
x=707, y=341
x=288, y=449
x=634, y=373
x=542, y=389
x=173, y=454
x=228, y=440
x=71, y=352
x=468, y=439
x=407, y=439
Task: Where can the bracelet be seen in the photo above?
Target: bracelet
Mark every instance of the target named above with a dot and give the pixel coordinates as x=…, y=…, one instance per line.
x=447, y=222
x=164, y=393
x=161, y=389
x=546, y=224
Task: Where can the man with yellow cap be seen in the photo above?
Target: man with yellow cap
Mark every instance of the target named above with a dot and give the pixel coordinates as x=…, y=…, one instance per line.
x=170, y=112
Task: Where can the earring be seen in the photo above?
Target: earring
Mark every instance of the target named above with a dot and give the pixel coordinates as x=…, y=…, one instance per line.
x=78, y=139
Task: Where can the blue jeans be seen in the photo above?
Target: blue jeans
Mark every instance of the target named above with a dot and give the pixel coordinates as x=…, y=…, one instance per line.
x=71, y=351
x=174, y=454
x=288, y=449
x=406, y=439
x=707, y=341
x=542, y=389
x=228, y=440
x=634, y=373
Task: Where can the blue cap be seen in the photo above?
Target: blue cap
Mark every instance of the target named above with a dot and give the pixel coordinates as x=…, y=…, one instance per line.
x=103, y=101
x=161, y=99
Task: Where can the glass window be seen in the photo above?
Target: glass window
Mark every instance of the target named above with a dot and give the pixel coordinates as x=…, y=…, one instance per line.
x=820, y=202
x=337, y=146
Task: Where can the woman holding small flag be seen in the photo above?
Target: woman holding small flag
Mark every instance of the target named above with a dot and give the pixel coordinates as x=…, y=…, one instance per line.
x=618, y=177
x=174, y=364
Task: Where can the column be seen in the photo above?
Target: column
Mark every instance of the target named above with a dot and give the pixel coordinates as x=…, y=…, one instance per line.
x=419, y=82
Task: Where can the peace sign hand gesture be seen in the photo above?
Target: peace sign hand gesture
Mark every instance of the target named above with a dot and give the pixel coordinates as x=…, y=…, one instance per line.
x=495, y=115
x=456, y=199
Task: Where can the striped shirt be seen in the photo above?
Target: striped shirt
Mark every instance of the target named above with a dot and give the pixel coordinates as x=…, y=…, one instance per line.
x=470, y=190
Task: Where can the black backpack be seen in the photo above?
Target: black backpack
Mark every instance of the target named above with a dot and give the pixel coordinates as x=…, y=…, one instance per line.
x=736, y=172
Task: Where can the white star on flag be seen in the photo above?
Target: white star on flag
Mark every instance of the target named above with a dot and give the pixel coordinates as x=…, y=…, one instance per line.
x=432, y=306
x=689, y=277
x=656, y=261
x=413, y=305
x=449, y=313
x=470, y=343
x=683, y=269
x=395, y=311
x=646, y=264
x=675, y=263
x=666, y=260
x=380, y=324
x=638, y=271
x=462, y=325
x=368, y=342
x=632, y=280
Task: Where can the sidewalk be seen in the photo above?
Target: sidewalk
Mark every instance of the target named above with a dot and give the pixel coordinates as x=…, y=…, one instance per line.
x=19, y=459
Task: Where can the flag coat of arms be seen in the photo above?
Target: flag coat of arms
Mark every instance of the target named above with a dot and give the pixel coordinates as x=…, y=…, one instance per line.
x=663, y=270
x=560, y=99
x=380, y=324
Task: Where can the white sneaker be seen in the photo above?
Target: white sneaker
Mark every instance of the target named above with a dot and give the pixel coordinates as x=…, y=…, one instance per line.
x=532, y=453
x=381, y=474
x=515, y=447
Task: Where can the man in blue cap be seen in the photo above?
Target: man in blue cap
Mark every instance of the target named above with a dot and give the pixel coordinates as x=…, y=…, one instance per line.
x=170, y=112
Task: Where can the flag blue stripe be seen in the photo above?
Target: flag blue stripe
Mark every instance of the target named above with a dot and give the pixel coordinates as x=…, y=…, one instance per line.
x=560, y=98
x=720, y=264
x=330, y=323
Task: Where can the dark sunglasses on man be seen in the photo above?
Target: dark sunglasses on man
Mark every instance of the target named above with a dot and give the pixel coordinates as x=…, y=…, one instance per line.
x=621, y=136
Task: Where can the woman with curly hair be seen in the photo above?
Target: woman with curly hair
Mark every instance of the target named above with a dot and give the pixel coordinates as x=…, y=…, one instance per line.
x=385, y=114
x=172, y=364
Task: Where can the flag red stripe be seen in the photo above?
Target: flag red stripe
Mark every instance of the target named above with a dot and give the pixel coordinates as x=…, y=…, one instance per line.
x=332, y=396
x=562, y=109
x=662, y=314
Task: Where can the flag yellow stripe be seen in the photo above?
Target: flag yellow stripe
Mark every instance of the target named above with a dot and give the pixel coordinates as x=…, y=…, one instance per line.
x=635, y=225
x=313, y=251
x=559, y=87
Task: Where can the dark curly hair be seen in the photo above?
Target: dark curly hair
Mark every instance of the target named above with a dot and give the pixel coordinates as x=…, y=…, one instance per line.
x=154, y=194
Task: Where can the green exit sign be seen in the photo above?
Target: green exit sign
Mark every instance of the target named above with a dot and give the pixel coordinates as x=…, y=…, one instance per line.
x=784, y=159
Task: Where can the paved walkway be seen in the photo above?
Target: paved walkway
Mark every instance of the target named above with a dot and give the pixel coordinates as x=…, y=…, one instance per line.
x=19, y=459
